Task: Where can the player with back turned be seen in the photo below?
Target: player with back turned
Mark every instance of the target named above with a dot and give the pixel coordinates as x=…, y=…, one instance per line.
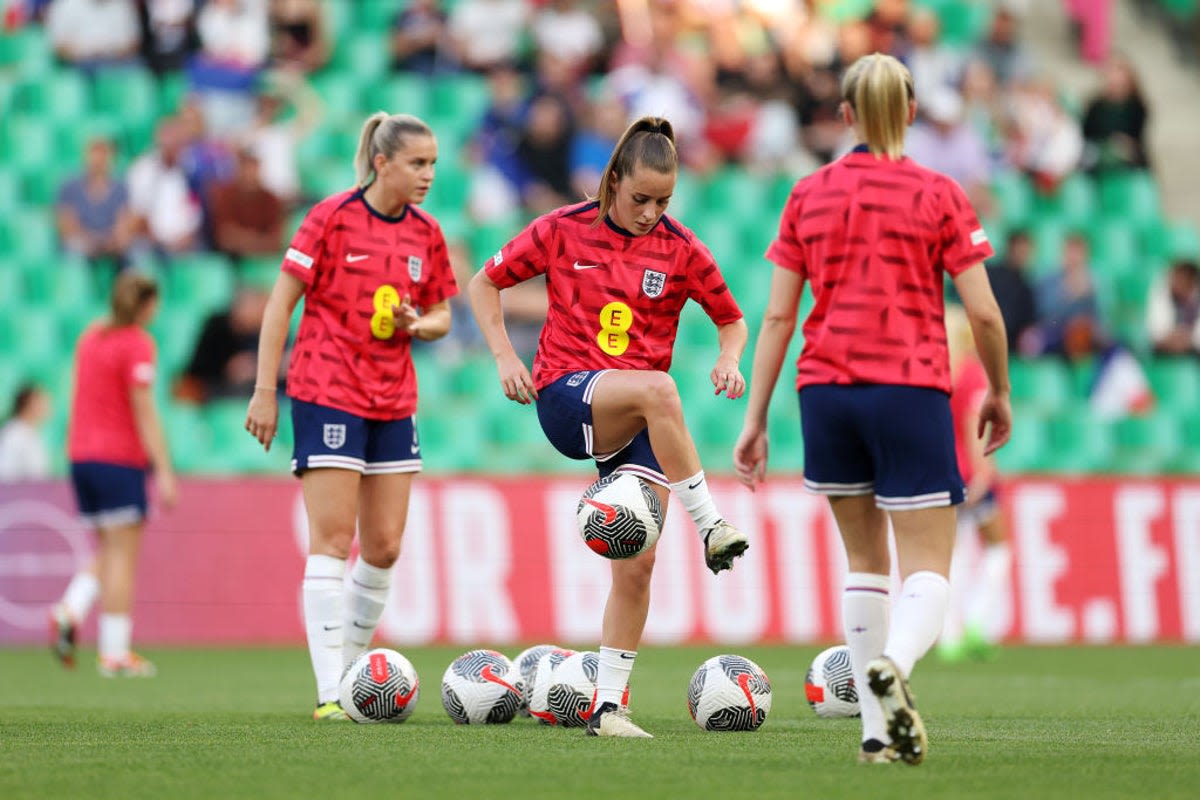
x=618, y=272
x=873, y=234
x=374, y=274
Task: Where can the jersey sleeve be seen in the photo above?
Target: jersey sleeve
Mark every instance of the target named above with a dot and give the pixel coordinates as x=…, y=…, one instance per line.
x=707, y=286
x=786, y=250
x=525, y=256
x=964, y=242
x=441, y=284
x=304, y=257
x=140, y=359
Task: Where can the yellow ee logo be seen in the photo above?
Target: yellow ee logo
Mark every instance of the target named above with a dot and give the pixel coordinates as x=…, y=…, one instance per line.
x=615, y=319
x=383, y=321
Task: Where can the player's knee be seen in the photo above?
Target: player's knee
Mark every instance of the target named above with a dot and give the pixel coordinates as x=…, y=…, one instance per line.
x=382, y=554
x=633, y=576
x=662, y=395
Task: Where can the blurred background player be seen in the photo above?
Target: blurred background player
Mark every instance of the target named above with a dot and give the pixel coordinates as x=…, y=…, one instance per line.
x=114, y=436
x=874, y=382
x=977, y=586
x=374, y=274
x=618, y=273
x=23, y=454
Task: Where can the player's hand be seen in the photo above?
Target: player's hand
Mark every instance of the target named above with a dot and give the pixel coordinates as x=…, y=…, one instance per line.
x=262, y=417
x=750, y=457
x=168, y=488
x=408, y=317
x=995, y=420
x=516, y=380
x=727, y=378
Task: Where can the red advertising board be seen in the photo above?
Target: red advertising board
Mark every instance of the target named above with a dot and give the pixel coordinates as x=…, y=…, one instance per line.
x=497, y=560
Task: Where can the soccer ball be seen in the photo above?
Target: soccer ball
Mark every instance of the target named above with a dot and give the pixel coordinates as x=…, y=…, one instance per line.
x=619, y=516
x=526, y=662
x=829, y=684
x=572, y=691
x=380, y=686
x=537, y=692
x=729, y=693
x=481, y=687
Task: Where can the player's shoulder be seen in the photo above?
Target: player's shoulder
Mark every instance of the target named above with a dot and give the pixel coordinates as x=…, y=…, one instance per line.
x=324, y=209
x=584, y=213
x=423, y=218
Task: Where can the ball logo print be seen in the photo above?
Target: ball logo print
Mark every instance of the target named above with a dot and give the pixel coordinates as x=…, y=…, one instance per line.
x=729, y=693
x=572, y=689
x=527, y=661
x=829, y=684
x=538, y=688
x=481, y=687
x=619, y=516
x=380, y=686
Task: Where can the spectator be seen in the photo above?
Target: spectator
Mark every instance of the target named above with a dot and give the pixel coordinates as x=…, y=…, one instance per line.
x=92, y=211
x=1068, y=313
x=1003, y=51
x=933, y=65
x=593, y=145
x=234, y=45
x=1045, y=140
x=943, y=141
x=167, y=213
x=985, y=109
x=93, y=34
x=247, y=220
x=169, y=35
x=486, y=33
x=1173, y=311
x=1114, y=124
x=497, y=177
x=225, y=358
x=570, y=33
x=543, y=153
x=1009, y=277
x=299, y=38
x=205, y=160
x=417, y=35
x=276, y=138
x=23, y=452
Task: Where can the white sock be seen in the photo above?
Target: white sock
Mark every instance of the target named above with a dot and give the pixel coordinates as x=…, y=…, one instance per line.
x=116, y=630
x=81, y=595
x=952, y=625
x=917, y=618
x=323, y=586
x=989, y=587
x=693, y=494
x=865, y=605
x=613, y=675
x=365, y=600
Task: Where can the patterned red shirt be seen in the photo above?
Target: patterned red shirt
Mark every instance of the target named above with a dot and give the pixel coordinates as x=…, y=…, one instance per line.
x=615, y=298
x=109, y=363
x=356, y=263
x=873, y=238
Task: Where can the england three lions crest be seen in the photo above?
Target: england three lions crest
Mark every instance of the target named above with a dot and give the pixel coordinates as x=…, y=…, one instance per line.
x=414, y=268
x=334, y=435
x=653, y=283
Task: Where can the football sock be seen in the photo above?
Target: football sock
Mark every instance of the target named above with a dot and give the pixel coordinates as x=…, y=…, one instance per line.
x=323, y=586
x=952, y=625
x=613, y=675
x=989, y=590
x=693, y=494
x=114, y=634
x=81, y=595
x=865, y=603
x=365, y=600
x=917, y=618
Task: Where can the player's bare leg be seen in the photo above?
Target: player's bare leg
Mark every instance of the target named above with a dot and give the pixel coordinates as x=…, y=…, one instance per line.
x=624, y=402
x=991, y=578
x=383, y=510
x=116, y=567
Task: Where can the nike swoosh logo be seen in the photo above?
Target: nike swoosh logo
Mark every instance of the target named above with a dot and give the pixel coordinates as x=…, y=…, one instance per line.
x=416, y=448
x=404, y=698
x=352, y=259
x=362, y=627
x=487, y=674
x=630, y=656
x=610, y=513
x=577, y=265
x=694, y=485
x=332, y=627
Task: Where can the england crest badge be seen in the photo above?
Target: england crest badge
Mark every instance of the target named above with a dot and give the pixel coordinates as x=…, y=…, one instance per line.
x=653, y=283
x=334, y=435
x=414, y=268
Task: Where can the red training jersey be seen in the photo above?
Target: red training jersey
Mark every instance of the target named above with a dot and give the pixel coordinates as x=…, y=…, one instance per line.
x=966, y=398
x=357, y=264
x=109, y=363
x=873, y=238
x=615, y=298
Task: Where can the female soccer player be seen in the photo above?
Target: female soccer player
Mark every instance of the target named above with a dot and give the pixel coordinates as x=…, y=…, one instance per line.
x=113, y=436
x=618, y=271
x=375, y=275
x=873, y=233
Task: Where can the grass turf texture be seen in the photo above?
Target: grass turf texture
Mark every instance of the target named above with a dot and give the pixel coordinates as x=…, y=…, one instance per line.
x=1035, y=722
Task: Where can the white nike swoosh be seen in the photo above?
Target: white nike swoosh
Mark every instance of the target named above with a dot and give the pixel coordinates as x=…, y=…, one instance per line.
x=351, y=259
x=585, y=266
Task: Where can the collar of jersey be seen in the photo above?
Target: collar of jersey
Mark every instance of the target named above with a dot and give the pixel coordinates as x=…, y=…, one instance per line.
x=630, y=234
x=361, y=195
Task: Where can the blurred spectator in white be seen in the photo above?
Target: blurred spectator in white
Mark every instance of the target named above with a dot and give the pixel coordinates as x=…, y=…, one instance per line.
x=1044, y=139
x=485, y=33
x=169, y=35
x=1114, y=123
x=985, y=108
x=234, y=44
x=299, y=35
x=593, y=144
x=1069, y=322
x=496, y=179
x=23, y=452
x=933, y=65
x=205, y=159
x=167, y=212
x=93, y=34
x=1003, y=50
x=247, y=220
x=417, y=35
x=92, y=211
x=1009, y=277
x=543, y=153
x=568, y=32
x=1173, y=311
x=943, y=141
x=276, y=137
x=225, y=358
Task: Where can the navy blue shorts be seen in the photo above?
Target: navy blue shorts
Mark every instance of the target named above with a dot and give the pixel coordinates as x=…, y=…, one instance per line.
x=109, y=494
x=328, y=437
x=895, y=442
x=565, y=411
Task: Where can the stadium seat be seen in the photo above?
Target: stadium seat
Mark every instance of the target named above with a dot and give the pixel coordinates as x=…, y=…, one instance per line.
x=1042, y=384
x=1115, y=248
x=365, y=55
x=28, y=52
x=1078, y=442
x=341, y=98
x=399, y=93
x=1148, y=444
x=1026, y=450
x=1176, y=384
x=1132, y=196
x=200, y=282
x=61, y=94
x=1014, y=196
x=10, y=190
x=1073, y=203
x=32, y=235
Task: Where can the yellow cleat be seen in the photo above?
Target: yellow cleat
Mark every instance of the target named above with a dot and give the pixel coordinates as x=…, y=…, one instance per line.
x=330, y=712
x=132, y=666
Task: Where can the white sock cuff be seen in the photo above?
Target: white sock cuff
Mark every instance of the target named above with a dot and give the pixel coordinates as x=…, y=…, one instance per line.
x=683, y=485
x=868, y=581
x=617, y=652
x=370, y=576
x=928, y=575
x=319, y=566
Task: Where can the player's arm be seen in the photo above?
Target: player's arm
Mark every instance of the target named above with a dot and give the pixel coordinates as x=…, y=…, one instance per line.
x=433, y=324
x=150, y=431
x=484, y=295
x=987, y=325
x=726, y=376
x=262, y=417
x=983, y=467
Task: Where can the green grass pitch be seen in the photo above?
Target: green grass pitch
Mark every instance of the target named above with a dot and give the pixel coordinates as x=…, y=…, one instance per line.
x=1035, y=722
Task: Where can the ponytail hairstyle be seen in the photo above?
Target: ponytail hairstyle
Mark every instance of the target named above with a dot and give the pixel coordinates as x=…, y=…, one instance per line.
x=879, y=89
x=648, y=142
x=131, y=293
x=383, y=133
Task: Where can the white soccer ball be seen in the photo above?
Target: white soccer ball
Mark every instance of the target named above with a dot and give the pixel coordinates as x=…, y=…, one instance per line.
x=481, y=687
x=619, y=516
x=829, y=684
x=538, y=693
x=526, y=662
x=380, y=686
x=572, y=690
x=729, y=693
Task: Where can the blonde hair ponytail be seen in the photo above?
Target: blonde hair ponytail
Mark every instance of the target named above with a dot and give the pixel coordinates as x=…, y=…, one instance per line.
x=879, y=89
x=650, y=142
x=383, y=133
x=131, y=292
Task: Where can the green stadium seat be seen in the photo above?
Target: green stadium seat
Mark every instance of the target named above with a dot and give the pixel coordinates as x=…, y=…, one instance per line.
x=61, y=94
x=341, y=97
x=28, y=51
x=366, y=55
x=465, y=97
x=1048, y=236
x=1175, y=241
x=399, y=93
x=473, y=378
x=1115, y=248
x=172, y=88
x=1014, y=196
x=454, y=439
x=1148, y=444
x=1043, y=384
x=1131, y=196
x=1025, y=451
x=37, y=338
x=964, y=22
x=33, y=238
x=176, y=330
x=1176, y=384
x=10, y=191
x=377, y=15
x=32, y=136
x=199, y=282
x=132, y=93
x=326, y=176
x=1074, y=203
x=1078, y=442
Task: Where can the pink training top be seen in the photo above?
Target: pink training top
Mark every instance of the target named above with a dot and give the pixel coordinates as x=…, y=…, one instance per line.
x=109, y=363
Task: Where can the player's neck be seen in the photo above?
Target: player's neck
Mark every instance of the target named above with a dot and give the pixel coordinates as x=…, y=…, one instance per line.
x=374, y=197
